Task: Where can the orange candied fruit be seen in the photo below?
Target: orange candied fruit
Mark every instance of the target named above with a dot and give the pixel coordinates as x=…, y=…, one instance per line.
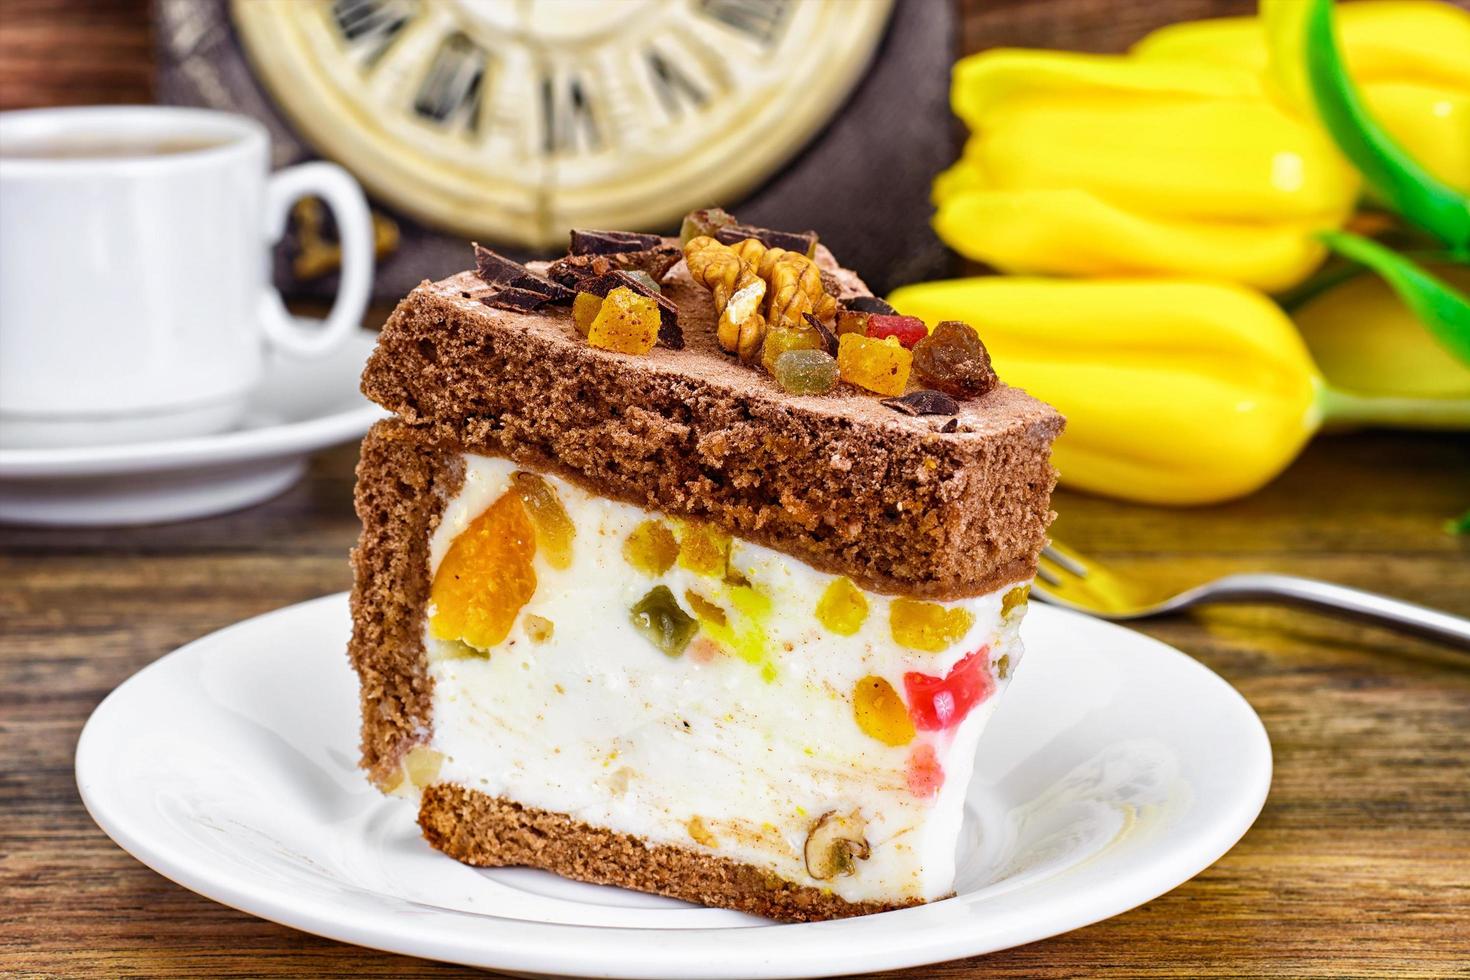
x=927, y=626
x=704, y=609
x=881, y=366
x=554, y=529
x=626, y=323
x=584, y=310
x=843, y=607
x=880, y=712
x=704, y=548
x=651, y=549
x=1014, y=599
x=486, y=577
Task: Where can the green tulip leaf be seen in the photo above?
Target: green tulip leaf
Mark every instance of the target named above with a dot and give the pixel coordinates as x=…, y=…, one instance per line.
x=1444, y=310
x=1393, y=174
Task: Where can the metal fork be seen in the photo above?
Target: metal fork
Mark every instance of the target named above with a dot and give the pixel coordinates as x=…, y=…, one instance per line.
x=1065, y=578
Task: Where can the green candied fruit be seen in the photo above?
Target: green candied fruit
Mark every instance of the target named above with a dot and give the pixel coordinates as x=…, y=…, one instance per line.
x=704, y=222
x=645, y=279
x=658, y=617
x=1014, y=599
x=806, y=372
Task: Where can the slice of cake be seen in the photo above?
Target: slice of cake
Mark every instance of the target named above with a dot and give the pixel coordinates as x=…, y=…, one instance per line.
x=629, y=609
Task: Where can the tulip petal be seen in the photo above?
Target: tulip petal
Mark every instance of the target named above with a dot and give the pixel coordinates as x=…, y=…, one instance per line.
x=1071, y=232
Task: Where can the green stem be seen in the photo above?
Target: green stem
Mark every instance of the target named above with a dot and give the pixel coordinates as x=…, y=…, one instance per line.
x=1344, y=409
x=1397, y=178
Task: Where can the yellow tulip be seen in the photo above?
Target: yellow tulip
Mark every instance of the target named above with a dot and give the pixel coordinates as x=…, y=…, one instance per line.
x=1108, y=165
x=1175, y=391
x=1410, y=58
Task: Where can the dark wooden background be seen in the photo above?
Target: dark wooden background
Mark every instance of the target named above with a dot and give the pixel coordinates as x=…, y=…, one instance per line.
x=1358, y=867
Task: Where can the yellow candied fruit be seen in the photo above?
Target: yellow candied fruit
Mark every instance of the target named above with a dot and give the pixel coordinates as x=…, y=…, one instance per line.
x=704, y=609
x=880, y=712
x=1014, y=599
x=927, y=626
x=704, y=549
x=554, y=529
x=422, y=764
x=699, y=833
x=651, y=549
x=779, y=340
x=627, y=323
x=539, y=628
x=880, y=366
x=486, y=577
x=584, y=310
x=843, y=607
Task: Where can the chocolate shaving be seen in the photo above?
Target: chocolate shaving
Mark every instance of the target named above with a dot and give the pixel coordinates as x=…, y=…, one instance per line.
x=656, y=262
x=869, y=304
x=793, y=241
x=950, y=426
x=669, y=332
x=829, y=339
x=508, y=274
x=924, y=402
x=515, y=298
x=586, y=242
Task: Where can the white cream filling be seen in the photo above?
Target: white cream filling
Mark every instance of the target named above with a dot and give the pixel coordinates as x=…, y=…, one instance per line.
x=596, y=722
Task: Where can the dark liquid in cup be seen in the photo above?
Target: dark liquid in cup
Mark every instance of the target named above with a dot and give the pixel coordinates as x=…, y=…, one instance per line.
x=105, y=147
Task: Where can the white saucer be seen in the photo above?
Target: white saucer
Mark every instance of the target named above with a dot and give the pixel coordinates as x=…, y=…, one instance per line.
x=1115, y=769
x=302, y=406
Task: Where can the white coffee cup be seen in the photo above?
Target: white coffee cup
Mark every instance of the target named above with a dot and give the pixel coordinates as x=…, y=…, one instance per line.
x=135, y=294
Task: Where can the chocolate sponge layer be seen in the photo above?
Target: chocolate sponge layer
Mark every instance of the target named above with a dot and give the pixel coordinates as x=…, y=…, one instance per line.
x=839, y=481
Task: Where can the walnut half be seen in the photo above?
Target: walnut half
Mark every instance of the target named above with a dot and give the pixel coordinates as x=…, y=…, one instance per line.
x=834, y=843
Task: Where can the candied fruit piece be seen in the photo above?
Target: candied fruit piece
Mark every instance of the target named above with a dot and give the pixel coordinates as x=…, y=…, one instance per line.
x=852, y=321
x=645, y=280
x=554, y=529
x=908, y=329
x=658, y=617
x=704, y=549
x=806, y=372
x=584, y=310
x=779, y=340
x=953, y=360
x=422, y=764
x=1003, y=666
x=627, y=323
x=927, y=626
x=877, y=365
x=704, y=609
x=699, y=833
x=539, y=628
x=651, y=549
x=486, y=577
x=880, y=712
x=843, y=607
x=937, y=703
x=704, y=222
x=925, y=775
x=1014, y=599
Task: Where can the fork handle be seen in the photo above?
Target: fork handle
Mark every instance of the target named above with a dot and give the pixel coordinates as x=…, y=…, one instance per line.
x=1340, y=599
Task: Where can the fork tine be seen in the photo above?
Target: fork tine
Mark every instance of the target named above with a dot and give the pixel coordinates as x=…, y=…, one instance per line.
x=1047, y=576
x=1054, y=552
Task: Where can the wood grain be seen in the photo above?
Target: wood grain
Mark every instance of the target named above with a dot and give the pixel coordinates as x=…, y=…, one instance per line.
x=1358, y=867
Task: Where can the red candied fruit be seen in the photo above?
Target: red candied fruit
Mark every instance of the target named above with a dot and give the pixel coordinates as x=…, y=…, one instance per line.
x=908, y=329
x=937, y=703
x=925, y=774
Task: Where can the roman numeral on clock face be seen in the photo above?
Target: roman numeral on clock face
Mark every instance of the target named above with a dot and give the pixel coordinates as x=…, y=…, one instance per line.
x=450, y=92
x=568, y=119
x=369, y=26
x=761, y=20
x=675, y=88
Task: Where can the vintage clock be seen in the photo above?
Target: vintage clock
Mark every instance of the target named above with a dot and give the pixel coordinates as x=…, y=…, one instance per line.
x=514, y=120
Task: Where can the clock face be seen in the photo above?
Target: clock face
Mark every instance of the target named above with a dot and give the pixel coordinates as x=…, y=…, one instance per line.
x=515, y=120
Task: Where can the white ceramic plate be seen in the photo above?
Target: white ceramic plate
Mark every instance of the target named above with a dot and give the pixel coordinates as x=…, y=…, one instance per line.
x=301, y=406
x=1116, y=768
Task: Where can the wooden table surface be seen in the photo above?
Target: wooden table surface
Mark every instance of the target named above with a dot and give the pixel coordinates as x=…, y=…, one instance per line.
x=1359, y=866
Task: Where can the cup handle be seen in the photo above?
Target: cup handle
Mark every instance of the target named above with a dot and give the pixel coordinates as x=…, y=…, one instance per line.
x=355, y=231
